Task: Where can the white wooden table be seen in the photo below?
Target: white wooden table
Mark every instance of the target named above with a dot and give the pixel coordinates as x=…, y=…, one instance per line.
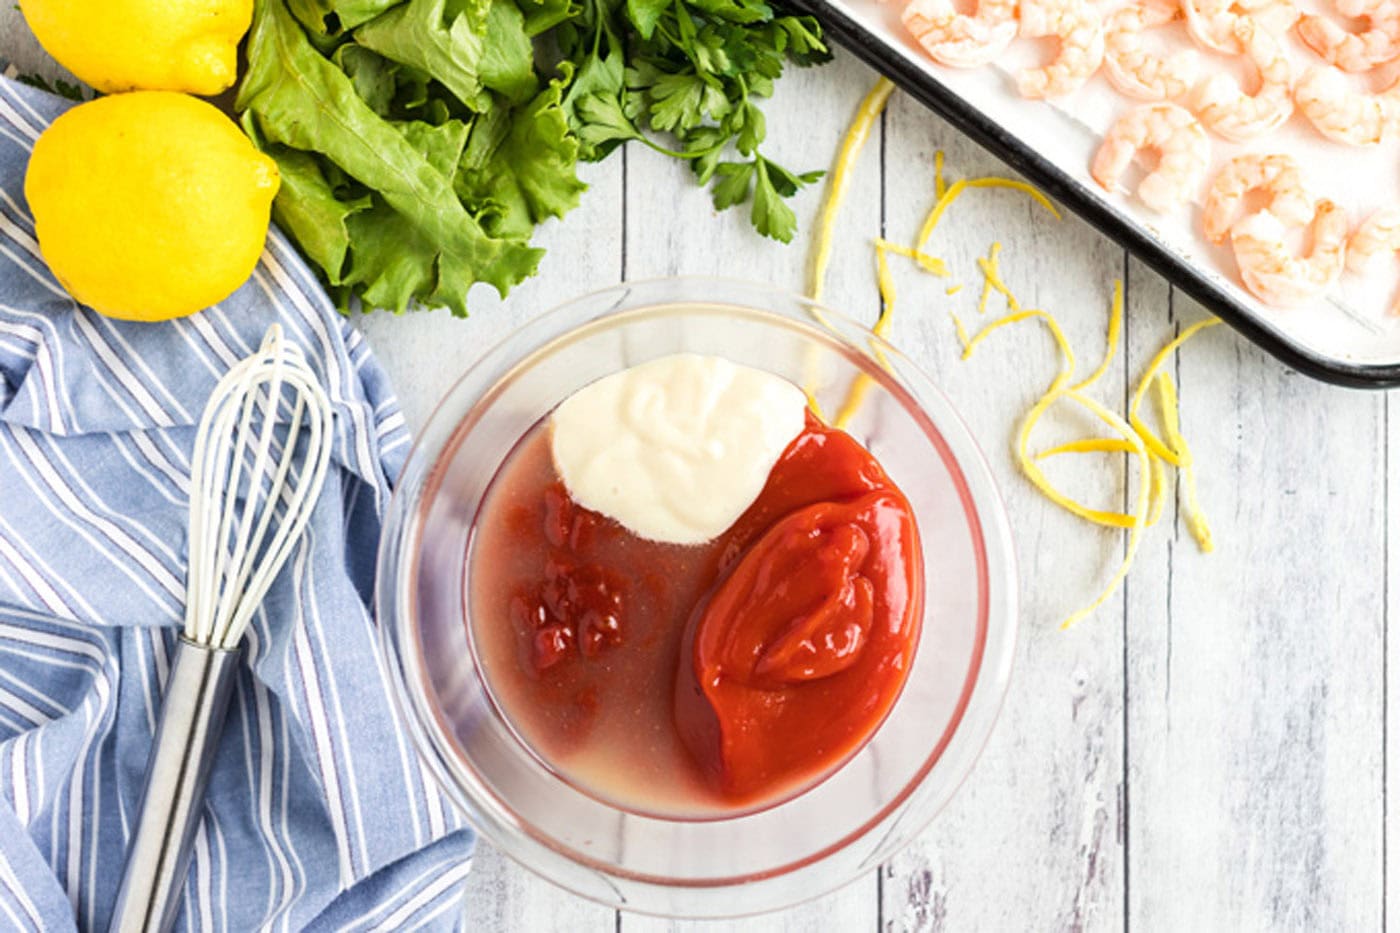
x=1211, y=750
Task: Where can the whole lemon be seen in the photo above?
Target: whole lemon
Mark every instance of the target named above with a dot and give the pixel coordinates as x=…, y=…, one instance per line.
x=149, y=205
x=122, y=45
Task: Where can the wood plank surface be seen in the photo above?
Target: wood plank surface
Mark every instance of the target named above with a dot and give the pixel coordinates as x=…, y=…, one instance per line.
x=1213, y=749
x=1255, y=674
x=1030, y=842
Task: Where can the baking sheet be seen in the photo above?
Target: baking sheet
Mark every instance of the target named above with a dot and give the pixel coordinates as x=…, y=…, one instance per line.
x=1345, y=337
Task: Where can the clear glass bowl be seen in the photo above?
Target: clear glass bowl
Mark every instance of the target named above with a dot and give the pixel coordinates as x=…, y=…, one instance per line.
x=844, y=826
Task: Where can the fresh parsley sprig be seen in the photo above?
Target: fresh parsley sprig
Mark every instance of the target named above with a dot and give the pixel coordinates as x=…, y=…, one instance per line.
x=693, y=70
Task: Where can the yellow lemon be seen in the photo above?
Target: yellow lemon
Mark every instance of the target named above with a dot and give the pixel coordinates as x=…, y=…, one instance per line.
x=149, y=205
x=122, y=45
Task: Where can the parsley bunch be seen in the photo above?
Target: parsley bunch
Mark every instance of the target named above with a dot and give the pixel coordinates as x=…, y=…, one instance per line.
x=421, y=142
x=694, y=70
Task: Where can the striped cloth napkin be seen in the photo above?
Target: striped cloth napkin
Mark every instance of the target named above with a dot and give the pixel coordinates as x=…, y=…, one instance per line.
x=318, y=815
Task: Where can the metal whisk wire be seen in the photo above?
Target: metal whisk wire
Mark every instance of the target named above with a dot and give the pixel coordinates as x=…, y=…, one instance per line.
x=232, y=562
x=260, y=459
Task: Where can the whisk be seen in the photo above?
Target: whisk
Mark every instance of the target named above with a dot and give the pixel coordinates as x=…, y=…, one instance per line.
x=260, y=459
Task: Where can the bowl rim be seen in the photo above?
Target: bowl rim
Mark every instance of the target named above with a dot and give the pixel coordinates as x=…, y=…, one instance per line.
x=982, y=693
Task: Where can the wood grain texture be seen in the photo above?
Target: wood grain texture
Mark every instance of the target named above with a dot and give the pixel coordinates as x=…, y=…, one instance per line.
x=1255, y=677
x=1031, y=840
x=1214, y=749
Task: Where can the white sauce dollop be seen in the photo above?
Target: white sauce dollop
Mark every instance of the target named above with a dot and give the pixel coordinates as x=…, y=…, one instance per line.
x=677, y=448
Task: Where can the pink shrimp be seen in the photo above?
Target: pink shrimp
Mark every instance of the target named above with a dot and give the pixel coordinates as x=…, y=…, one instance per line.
x=1212, y=22
x=1271, y=270
x=1378, y=233
x=1137, y=72
x=1340, y=113
x=1079, y=29
x=1378, y=43
x=961, y=40
x=1224, y=106
x=1183, y=154
x=1276, y=176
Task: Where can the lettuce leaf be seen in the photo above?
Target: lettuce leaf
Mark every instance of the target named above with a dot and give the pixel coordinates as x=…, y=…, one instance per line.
x=416, y=240
x=526, y=174
x=419, y=33
x=307, y=208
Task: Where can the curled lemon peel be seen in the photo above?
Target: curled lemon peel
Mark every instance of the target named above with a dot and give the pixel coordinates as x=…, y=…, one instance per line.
x=1042, y=483
x=1053, y=394
x=1171, y=421
x=871, y=106
x=1088, y=445
x=930, y=264
x=1141, y=507
x=1115, y=330
x=855, y=397
x=1158, y=501
x=887, y=294
x=1153, y=442
x=1066, y=370
x=1133, y=436
x=955, y=190
x=991, y=280
x=961, y=330
x=851, y=145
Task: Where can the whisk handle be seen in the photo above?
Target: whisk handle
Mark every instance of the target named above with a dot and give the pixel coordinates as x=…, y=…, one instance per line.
x=192, y=715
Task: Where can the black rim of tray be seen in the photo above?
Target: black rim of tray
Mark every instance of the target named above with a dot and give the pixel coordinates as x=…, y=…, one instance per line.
x=1073, y=195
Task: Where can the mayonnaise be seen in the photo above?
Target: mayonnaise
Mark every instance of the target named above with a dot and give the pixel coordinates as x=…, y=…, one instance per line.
x=677, y=448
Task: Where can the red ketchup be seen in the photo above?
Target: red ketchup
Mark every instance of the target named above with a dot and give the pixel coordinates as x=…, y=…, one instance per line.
x=689, y=679
x=802, y=647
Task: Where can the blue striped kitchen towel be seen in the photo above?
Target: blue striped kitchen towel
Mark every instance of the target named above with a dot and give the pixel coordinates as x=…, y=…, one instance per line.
x=318, y=814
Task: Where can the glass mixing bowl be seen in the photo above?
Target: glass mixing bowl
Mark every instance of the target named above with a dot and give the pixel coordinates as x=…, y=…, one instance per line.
x=838, y=829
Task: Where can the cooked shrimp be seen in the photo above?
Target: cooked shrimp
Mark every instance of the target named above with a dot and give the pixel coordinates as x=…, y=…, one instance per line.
x=1379, y=233
x=1223, y=105
x=1079, y=28
x=1132, y=68
x=1340, y=113
x=958, y=39
x=1269, y=267
x=1378, y=43
x=1182, y=147
x=1277, y=176
x=1212, y=22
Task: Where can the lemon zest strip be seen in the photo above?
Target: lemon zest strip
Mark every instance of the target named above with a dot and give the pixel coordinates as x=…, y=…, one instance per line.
x=866, y=114
x=1134, y=521
x=1140, y=508
x=961, y=330
x=1041, y=482
x=1153, y=442
x=1066, y=369
x=855, y=397
x=954, y=191
x=931, y=264
x=887, y=296
x=1088, y=445
x=1171, y=421
x=991, y=281
x=1115, y=329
